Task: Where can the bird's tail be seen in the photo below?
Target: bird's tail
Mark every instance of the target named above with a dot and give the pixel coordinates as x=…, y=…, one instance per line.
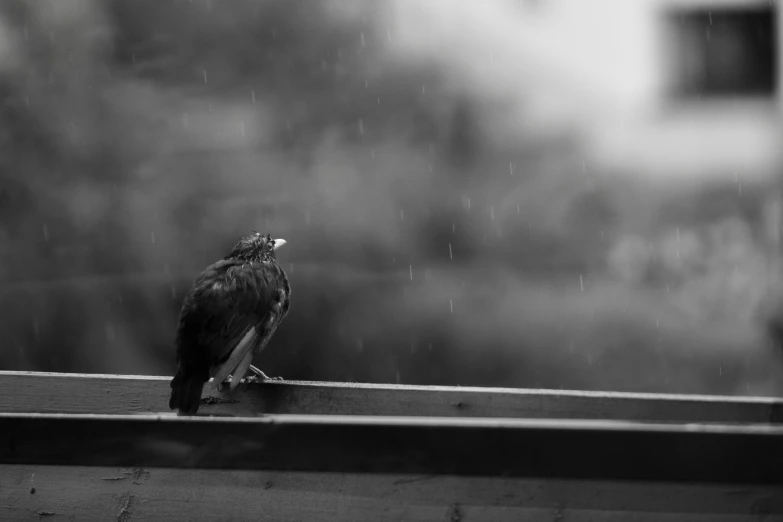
x=186, y=392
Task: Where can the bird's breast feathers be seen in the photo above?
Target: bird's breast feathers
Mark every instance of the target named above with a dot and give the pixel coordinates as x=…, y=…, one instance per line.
x=249, y=288
x=235, y=276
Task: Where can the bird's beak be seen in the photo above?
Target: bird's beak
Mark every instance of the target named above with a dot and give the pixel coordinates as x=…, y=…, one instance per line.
x=279, y=243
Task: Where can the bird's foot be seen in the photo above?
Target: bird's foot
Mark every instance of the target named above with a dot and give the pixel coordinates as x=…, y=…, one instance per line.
x=260, y=376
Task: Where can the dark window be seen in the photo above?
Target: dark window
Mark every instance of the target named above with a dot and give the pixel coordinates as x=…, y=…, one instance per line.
x=723, y=52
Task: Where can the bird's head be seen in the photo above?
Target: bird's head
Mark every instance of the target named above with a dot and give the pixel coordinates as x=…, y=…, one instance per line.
x=255, y=247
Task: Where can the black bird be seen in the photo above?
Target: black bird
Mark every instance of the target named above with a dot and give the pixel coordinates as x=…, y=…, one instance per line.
x=228, y=316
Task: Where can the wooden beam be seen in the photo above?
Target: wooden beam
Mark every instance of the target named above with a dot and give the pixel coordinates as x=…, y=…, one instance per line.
x=178, y=495
x=34, y=392
x=570, y=449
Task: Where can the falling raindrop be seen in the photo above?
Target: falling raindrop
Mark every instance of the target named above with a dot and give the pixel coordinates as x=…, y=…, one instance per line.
x=109, y=329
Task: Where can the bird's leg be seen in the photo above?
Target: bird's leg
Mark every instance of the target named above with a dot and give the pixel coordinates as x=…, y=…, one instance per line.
x=260, y=376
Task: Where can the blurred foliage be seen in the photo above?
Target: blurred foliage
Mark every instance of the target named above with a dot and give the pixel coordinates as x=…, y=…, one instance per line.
x=139, y=138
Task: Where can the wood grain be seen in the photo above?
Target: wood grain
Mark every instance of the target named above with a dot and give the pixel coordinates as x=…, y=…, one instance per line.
x=31, y=392
x=140, y=494
x=584, y=450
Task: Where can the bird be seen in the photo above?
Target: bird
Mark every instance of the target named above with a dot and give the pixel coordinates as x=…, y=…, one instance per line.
x=229, y=315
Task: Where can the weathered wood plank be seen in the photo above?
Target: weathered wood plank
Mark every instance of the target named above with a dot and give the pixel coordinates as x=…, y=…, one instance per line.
x=605, y=450
x=94, y=493
x=22, y=392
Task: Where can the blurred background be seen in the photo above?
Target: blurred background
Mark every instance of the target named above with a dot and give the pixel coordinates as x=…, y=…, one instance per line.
x=525, y=193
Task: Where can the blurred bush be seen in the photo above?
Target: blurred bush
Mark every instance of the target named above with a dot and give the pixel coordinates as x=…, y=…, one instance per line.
x=433, y=239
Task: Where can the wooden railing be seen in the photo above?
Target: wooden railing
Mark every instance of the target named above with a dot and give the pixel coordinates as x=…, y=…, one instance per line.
x=106, y=447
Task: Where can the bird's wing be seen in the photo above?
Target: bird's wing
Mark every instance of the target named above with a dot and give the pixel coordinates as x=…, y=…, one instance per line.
x=221, y=316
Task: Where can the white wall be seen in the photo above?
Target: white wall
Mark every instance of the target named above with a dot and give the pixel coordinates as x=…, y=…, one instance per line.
x=596, y=66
